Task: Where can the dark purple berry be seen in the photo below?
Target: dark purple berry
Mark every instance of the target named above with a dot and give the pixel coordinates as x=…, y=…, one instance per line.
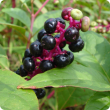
x=48, y=87
x=29, y=64
x=66, y=13
x=41, y=34
x=62, y=22
x=36, y=48
x=46, y=65
x=61, y=60
x=48, y=42
x=71, y=56
x=17, y=72
x=50, y=25
x=27, y=53
x=62, y=44
x=23, y=72
x=77, y=45
x=71, y=34
x=40, y=93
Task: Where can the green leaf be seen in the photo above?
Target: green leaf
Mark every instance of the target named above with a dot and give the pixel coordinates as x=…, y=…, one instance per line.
x=102, y=1
x=24, y=1
x=17, y=28
x=93, y=73
x=95, y=54
x=12, y=98
x=70, y=96
x=105, y=12
x=72, y=75
x=100, y=101
x=4, y=63
x=18, y=14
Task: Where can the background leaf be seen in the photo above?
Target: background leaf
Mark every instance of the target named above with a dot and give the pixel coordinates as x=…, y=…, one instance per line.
x=70, y=96
x=4, y=63
x=12, y=98
x=18, y=14
x=100, y=101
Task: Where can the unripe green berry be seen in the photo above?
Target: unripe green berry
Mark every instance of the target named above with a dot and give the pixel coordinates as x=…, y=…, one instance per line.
x=104, y=22
x=108, y=32
x=99, y=29
x=76, y=14
x=93, y=23
x=99, y=21
x=93, y=29
x=108, y=19
x=103, y=31
x=85, y=24
x=56, y=2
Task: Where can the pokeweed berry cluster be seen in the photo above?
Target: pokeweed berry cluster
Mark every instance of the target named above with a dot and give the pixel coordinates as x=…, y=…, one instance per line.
x=47, y=51
x=101, y=26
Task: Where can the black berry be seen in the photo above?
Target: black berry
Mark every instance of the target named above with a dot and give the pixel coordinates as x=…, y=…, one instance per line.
x=71, y=56
x=17, y=72
x=61, y=60
x=77, y=45
x=29, y=64
x=62, y=22
x=40, y=93
x=36, y=48
x=41, y=34
x=27, y=53
x=66, y=13
x=62, y=44
x=50, y=25
x=71, y=34
x=48, y=42
x=23, y=72
x=46, y=65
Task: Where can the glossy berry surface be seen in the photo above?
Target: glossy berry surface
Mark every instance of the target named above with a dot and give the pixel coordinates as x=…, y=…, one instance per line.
x=40, y=93
x=71, y=56
x=63, y=43
x=66, y=13
x=29, y=64
x=27, y=53
x=50, y=25
x=17, y=72
x=62, y=22
x=77, y=45
x=46, y=65
x=41, y=34
x=71, y=34
x=61, y=60
x=23, y=72
x=36, y=48
x=48, y=42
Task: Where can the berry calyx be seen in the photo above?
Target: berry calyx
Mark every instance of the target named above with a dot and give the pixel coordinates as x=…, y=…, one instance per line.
x=61, y=60
x=46, y=65
x=76, y=14
x=48, y=42
x=41, y=34
x=77, y=45
x=66, y=13
x=36, y=48
x=23, y=72
x=29, y=64
x=40, y=93
x=71, y=34
x=50, y=25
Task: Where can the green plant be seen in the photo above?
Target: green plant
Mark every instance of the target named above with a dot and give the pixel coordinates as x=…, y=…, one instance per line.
x=87, y=77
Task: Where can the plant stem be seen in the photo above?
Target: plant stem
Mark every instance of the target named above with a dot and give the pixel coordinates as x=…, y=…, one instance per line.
x=31, y=28
x=100, y=8
x=41, y=8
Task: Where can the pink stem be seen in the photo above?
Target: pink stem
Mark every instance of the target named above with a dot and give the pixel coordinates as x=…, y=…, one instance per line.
x=41, y=8
x=51, y=94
